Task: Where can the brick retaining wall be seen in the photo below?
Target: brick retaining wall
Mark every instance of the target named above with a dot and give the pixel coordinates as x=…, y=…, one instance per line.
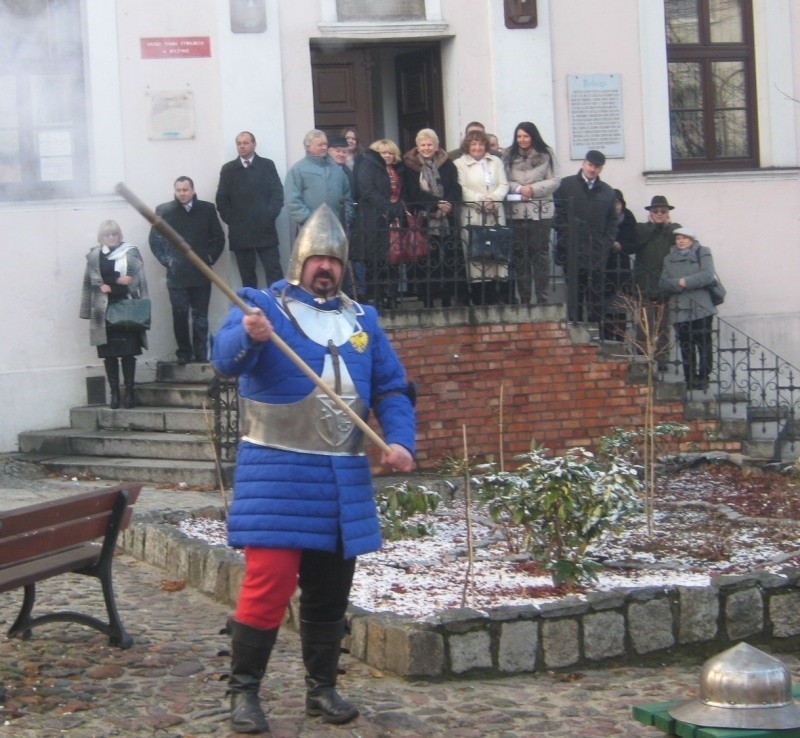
x=558, y=387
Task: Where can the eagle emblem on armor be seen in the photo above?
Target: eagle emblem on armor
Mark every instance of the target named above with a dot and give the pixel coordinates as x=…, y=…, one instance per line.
x=359, y=341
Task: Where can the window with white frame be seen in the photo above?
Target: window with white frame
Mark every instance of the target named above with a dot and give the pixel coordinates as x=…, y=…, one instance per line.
x=43, y=138
x=711, y=78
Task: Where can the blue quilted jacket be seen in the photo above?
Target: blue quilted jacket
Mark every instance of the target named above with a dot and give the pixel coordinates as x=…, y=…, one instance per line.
x=289, y=499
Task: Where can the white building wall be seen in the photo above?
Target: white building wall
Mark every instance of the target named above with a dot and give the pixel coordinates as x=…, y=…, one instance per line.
x=748, y=219
x=262, y=82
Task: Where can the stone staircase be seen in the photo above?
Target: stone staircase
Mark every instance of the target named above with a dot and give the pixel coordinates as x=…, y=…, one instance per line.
x=165, y=439
x=765, y=434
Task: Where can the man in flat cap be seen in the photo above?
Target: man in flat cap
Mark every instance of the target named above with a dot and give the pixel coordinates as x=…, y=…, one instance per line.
x=590, y=204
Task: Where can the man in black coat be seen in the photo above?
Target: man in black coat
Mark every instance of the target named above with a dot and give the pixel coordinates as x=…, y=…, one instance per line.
x=584, y=253
x=189, y=290
x=249, y=199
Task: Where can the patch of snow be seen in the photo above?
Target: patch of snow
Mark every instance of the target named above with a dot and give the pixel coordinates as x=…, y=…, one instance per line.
x=419, y=577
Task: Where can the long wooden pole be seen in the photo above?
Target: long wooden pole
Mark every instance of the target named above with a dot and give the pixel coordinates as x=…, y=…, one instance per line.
x=180, y=243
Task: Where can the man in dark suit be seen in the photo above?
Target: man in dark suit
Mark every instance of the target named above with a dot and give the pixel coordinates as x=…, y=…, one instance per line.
x=189, y=290
x=585, y=203
x=249, y=199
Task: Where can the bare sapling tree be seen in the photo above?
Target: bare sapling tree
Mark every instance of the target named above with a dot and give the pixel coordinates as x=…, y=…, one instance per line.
x=468, y=576
x=648, y=318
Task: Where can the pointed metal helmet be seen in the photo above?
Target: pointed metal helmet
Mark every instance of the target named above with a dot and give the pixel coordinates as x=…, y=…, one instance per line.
x=321, y=235
x=742, y=688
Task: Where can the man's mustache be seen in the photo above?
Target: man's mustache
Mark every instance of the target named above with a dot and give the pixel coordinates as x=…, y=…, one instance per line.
x=324, y=273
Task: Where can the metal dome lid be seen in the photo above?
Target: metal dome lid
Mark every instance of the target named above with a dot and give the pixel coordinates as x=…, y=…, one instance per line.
x=742, y=688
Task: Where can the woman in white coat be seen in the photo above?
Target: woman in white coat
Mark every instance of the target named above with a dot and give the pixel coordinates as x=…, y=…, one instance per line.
x=483, y=188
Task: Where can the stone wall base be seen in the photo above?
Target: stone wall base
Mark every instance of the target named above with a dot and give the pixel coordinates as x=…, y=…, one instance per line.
x=627, y=626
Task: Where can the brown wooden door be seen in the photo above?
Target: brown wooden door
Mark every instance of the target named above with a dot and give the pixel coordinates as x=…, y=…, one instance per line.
x=342, y=83
x=419, y=95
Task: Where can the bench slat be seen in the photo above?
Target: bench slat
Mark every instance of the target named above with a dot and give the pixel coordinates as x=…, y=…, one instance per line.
x=56, y=537
x=35, y=570
x=32, y=517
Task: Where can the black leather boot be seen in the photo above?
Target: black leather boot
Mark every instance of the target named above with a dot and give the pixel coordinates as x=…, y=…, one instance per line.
x=321, y=649
x=250, y=650
x=129, y=375
x=112, y=373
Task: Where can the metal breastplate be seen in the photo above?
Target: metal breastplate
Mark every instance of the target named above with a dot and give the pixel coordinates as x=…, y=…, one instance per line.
x=314, y=424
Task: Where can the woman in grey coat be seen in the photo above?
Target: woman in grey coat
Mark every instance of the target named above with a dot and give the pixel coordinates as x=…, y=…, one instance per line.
x=687, y=273
x=114, y=271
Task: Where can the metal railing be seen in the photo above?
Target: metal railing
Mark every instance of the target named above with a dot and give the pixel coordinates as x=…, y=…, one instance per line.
x=446, y=276
x=743, y=380
x=224, y=395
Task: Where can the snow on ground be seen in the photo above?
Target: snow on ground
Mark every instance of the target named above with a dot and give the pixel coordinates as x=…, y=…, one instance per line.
x=419, y=577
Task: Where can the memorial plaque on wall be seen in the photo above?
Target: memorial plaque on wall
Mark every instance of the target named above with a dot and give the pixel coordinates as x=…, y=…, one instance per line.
x=366, y=10
x=170, y=115
x=595, y=115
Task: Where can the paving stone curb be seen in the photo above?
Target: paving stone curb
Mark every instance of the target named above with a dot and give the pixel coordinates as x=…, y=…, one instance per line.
x=625, y=626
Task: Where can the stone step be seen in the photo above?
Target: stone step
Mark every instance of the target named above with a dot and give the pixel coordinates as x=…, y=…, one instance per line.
x=700, y=409
x=172, y=394
x=118, y=443
x=165, y=439
x=194, y=474
x=763, y=448
x=732, y=429
x=166, y=419
x=167, y=371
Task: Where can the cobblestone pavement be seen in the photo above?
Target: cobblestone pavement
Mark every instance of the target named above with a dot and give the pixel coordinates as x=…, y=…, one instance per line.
x=67, y=681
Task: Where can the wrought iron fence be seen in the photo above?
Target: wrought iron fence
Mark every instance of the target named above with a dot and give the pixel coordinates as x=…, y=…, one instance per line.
x=472, y=257
x=735, y=376
x=751, y=383
x=224, y=394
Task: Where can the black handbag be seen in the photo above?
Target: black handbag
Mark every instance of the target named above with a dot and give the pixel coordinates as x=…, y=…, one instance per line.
x=717, y=292
x=131, y=315
x=489, y=244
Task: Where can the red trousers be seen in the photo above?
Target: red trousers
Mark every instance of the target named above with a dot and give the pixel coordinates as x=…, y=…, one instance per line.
x=271, y=576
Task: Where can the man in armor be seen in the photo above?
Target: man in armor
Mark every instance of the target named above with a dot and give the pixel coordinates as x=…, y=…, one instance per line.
x=303, y=504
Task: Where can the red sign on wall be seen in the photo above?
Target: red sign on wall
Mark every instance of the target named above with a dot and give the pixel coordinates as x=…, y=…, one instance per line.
x=178, y=47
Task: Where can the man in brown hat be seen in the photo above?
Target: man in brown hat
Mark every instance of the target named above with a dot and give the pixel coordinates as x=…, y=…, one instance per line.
x=653, y=242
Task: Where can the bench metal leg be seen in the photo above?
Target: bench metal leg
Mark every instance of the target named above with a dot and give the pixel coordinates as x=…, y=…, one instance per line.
x=22, y=625
x=117, y=635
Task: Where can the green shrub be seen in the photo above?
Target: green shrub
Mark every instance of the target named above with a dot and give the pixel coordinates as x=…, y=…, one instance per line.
x=626, y=444
x=556, y=507
x=398, y=504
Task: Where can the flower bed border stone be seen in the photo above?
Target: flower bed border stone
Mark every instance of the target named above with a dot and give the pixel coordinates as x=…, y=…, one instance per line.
x=624, y=626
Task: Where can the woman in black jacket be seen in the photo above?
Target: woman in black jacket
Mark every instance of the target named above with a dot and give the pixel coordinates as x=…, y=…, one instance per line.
x=618, y=272
x=432, y=190
x=378, y=181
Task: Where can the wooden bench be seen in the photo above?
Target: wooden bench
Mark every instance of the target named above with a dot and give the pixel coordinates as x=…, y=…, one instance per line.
x=657, y=715
x=73, y=534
